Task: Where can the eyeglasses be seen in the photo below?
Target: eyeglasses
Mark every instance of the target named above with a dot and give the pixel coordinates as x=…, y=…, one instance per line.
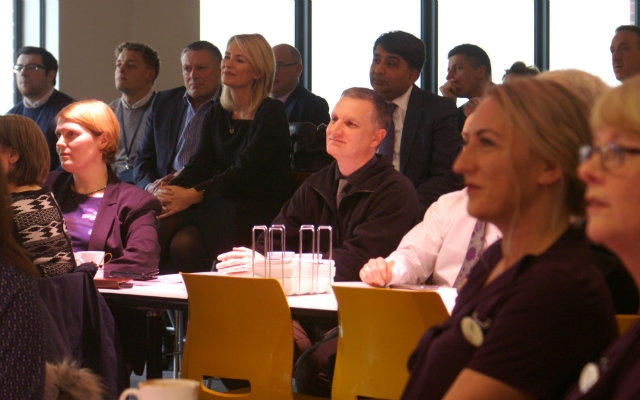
x=612, y=155
x=282, y=65
x=29, y=67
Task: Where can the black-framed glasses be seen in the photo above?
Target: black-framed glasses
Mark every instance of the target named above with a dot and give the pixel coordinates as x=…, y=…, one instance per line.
x=612, y=155
x=29, y=67
x=283, y=65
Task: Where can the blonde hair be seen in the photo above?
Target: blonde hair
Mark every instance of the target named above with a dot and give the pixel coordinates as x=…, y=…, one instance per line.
x=24, y=136
x=260, y=55
x=553, y=121
x=618, y=108
x=98, y=118
x=584, y=84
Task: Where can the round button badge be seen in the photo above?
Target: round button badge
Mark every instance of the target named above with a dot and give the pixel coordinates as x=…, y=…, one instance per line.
x=588, y=377
x=472, y=331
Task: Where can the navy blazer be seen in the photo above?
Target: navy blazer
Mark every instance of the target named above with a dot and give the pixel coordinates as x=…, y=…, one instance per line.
x=125, y=225
x=304, y=106
x=157, y=148
x=430, y=144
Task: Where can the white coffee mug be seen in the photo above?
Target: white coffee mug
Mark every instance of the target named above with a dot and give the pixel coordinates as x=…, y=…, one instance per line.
x=98, y=257
x=164, y=389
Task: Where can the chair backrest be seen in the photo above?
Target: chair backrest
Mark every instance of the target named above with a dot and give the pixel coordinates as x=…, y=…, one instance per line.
x=239, y=328
x=378, y=330
x=626, y=321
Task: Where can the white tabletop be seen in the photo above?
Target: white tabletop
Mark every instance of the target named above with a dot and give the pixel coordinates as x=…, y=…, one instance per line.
x=172, y=287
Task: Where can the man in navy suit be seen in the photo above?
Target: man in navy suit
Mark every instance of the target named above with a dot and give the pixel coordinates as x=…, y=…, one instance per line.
x=172, y=130
x=425, y=139
x=300, y=104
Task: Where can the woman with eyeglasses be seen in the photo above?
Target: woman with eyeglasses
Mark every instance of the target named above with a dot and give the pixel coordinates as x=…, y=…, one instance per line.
x=534, y=308
x=611, y=169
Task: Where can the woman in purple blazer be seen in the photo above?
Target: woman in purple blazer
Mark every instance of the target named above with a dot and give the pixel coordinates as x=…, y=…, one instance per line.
x=102, y=213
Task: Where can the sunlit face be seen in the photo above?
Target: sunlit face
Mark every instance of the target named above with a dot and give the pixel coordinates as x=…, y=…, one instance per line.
x=132, y=74
x=467, y=81
x=288, y=71
x=625, y=54
x=613, y=195
x=390, y=74
x=498, y=169
x=77, y=147
x=352, y=134
x=201, y=74
x=237, y=72
x=33, y=84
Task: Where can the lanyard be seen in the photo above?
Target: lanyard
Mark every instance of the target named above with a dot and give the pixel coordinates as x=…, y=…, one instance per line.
x=127, y=146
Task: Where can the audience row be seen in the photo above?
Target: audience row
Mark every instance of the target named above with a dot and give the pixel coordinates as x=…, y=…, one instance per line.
x=213, y=159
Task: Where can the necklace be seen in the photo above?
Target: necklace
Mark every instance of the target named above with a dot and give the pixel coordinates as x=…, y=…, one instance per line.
x=90, y=193
x=233, y=123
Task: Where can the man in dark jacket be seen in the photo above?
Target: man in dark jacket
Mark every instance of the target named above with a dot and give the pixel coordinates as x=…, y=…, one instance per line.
x=369, y=205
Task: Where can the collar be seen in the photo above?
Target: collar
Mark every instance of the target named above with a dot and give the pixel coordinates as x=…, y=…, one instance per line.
x=138, y=103
x=403, y=101
x=39, y=102
x=187, y=99
x=358, y=173
x=286, y=96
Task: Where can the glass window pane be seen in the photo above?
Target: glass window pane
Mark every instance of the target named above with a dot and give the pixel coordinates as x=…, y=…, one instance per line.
x=6, y=56
x=502, y=28
x=582, y=39
x=343, y=34
x=274, y=19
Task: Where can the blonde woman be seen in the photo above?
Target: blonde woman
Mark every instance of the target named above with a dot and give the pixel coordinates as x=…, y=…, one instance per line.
x=240, y=175
x=611, y=170
x=534, y=308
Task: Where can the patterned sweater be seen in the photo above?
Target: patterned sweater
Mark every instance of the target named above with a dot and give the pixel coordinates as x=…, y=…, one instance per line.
x=39, y=227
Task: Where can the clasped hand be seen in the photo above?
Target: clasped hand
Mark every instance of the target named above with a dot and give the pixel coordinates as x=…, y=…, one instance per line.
x=176, y=198
x=377, y=272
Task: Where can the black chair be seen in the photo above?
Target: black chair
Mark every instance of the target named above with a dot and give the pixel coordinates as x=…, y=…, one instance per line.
x=308, y=147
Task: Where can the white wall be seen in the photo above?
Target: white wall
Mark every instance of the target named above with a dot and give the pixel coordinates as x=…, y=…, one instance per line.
x=90, y=31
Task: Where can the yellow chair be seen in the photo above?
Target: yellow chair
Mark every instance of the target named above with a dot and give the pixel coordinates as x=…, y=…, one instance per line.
x=379, y=328
x=239, y=328
x=626, y=321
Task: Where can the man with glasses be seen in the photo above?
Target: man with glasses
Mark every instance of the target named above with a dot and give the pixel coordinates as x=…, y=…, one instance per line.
x=36, y=71
x=300, y=104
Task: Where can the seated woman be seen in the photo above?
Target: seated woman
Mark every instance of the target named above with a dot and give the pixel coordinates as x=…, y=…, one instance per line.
x=518, y=328
x=102, y=213
x=37, y=220
x=22, y=344
x=611, y=170
x=240, y=175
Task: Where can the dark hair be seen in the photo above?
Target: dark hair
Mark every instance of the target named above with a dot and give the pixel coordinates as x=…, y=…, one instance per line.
x=24, y=136
x=204, y=45
x=474, y=54
x=48, y=60
x=149, y=55
x=521, y=69
x=11, y=252
x=630, y=28
x=380, y=105
x=407, y=46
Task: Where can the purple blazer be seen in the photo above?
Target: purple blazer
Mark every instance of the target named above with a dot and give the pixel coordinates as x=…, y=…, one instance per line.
x=125, y=225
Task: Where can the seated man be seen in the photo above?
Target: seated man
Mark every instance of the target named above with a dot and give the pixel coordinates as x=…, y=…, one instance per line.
x=300, y=104
x=368, y=203
x=36, y=71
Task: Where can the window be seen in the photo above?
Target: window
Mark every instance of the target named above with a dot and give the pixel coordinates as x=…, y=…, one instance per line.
x=343, y=33
x=6, y=56
x=502, y=28
x=582, y=39
x=274, y=19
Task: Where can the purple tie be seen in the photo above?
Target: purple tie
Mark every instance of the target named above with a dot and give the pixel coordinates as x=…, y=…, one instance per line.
x=473, y=253
x=388, y=143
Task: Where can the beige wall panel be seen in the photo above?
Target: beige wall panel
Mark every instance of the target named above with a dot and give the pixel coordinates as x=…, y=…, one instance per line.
x=91, y=29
